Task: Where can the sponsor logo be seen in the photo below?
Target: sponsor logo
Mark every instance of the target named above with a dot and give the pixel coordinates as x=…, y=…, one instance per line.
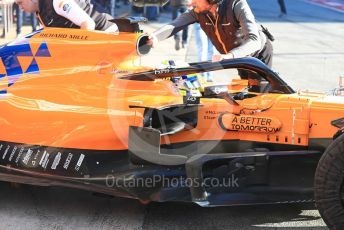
x=162, y=71
x=6, y=151
x=44, y=160
x=66, y=8
x=78, y=164
x=20, y=154
x=219, y=90
x=56, y=160
x=34, y=161
x=68, y=160
x=13, y=152
x=250, y=123
x=191, y=99
x=27, y=156
x=50, y=22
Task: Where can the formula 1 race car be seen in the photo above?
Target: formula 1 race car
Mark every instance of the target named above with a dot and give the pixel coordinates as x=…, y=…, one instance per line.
x=77, y=110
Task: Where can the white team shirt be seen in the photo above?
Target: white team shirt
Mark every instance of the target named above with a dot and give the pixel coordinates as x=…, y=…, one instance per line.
x=72, y=11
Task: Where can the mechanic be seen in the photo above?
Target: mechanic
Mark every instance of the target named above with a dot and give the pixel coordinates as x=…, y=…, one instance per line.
x=231, y=27
x=68, y=14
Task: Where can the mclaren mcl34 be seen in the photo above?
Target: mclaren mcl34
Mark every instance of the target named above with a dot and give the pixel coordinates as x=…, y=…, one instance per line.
x=77, y=110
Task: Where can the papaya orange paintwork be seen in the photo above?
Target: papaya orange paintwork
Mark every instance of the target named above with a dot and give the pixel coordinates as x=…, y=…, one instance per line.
x=76, y=100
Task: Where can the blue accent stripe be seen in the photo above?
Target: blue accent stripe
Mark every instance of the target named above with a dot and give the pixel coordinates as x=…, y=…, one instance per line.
x=12, y=65
x=23, y=50
x=33, y=33
x=33, y=68
x=9, y=56
x=43, y=51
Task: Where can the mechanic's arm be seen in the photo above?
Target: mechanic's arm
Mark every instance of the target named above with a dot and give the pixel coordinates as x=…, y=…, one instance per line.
x=72, y=11
x=172, y=28
x=252, y=40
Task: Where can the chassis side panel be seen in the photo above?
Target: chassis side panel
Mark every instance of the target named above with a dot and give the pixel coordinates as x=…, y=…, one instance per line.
x=263, y=178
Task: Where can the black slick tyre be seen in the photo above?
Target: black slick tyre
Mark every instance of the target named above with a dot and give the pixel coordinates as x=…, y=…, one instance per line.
x=329, y=185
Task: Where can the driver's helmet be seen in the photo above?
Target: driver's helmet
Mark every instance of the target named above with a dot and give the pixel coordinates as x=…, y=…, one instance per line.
x=190, y=84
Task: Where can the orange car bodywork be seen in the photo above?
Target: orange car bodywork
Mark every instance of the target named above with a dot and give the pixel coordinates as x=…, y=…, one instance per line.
x=65, y=101
x=68, y=95
x=73, y=115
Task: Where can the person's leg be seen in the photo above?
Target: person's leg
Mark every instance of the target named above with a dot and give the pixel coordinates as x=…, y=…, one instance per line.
x=33, y=22
x=197, y=29
x=182, y=10
x=282, y=7
x=185, y=36
x=210, y=54
x=210, y=48
x=201, y=41
x=203, y=49
x=19, y=15
x=266, y=55
x=175, y=13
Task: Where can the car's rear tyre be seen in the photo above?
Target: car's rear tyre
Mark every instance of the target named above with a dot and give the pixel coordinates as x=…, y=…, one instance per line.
x=329, y=185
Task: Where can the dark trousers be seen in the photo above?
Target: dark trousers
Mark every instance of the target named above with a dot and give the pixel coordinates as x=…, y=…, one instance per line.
x=282, y=6
x=20, y=17
x=176, y=11
x=265, y=55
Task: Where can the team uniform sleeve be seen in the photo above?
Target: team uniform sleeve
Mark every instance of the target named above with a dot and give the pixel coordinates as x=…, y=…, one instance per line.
x=178, y=24
x=72, y=11
x=252, y=40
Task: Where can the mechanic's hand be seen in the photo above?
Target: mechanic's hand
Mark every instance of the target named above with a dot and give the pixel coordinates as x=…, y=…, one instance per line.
x=220, y=57
x=217, y=57
x=152, y=40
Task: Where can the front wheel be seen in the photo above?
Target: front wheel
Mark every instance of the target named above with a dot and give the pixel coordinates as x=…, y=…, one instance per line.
x=329, y=185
